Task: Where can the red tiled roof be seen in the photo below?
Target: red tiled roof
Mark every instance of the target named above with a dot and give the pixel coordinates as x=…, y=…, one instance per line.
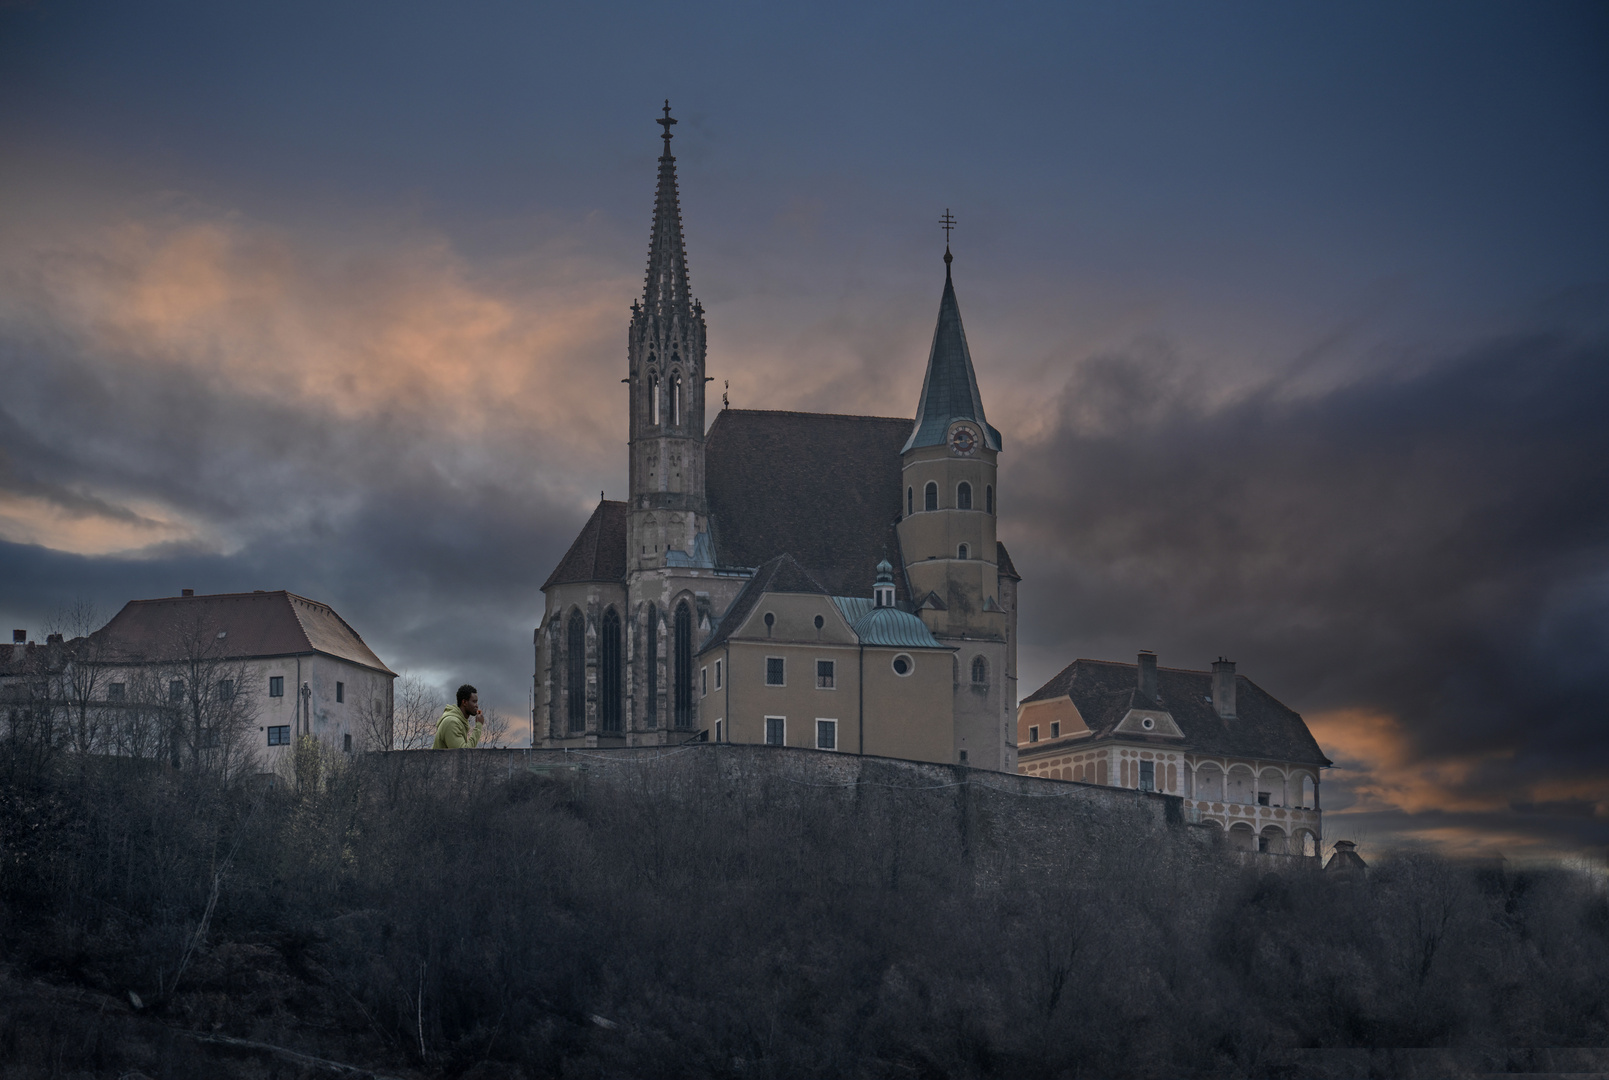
x=245, y=626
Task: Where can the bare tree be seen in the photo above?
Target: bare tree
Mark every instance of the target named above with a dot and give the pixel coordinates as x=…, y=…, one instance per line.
x=495, y=734
x=211, y=697
x=82, y=677
x=410, y=724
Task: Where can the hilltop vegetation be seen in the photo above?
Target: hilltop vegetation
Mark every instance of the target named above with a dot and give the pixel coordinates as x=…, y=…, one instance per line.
x=373, y=913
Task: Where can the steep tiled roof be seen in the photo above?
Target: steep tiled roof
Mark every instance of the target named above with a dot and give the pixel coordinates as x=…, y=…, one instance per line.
x=1003, y=560
x=823, y=488
x=950, y=387
x=235, y=625
x=779, y=575
x=599, y=552
x=1263, y=727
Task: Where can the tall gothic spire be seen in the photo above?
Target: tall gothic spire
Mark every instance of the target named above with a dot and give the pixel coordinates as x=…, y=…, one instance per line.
x=666, y=290
x=950, y=387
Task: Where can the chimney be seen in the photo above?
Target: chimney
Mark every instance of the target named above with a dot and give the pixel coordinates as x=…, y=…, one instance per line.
x=19, y=637
x=1223, y=688
x=187, y=592
x=1148, y=674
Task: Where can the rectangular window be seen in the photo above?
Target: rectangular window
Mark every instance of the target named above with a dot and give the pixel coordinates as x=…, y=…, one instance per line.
x=776, y=731
x=346, y=742
x=825, y=672
x=279, y=736
x=1147, y=776
x=717, y=731
x=115, y=692
x=1055, y=729
x=276, y=688
x=1033, y=734
x=1262, y=798
x=774, y=671
x=717, y=674
x=176, y=690
x=703, y=681
x=340, y=693
x=826, y=734
x=226, y=689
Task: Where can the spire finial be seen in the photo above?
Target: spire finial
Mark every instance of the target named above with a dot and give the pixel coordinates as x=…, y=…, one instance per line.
x=666, y=123
x=947, y=223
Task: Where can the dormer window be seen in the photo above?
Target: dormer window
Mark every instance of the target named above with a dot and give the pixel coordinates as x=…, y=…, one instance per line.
x=963, y=497
x=885, y=595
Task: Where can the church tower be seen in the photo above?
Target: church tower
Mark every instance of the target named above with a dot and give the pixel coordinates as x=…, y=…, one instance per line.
x=947, y=538
x=665, y=375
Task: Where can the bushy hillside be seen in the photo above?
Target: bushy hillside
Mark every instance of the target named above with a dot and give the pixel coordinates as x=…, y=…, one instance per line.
x=658, y=922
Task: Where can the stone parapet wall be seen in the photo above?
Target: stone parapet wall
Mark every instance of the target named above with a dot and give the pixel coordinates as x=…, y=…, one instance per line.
x=1005, y=820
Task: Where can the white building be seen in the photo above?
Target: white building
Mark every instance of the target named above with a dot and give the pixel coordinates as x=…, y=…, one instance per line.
x=243, y=671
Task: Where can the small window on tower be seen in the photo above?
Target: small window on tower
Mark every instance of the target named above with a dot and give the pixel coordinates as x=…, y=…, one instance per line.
x=961, y=552
x=910, y=501
x=963, y=496
x=988, y=499
x=653, y=398
x=676, y=400
x=980, y=670
x=930, y=496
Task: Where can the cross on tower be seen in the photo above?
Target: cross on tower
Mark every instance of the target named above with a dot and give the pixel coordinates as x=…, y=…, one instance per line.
x=947, y=222
x=666, y=122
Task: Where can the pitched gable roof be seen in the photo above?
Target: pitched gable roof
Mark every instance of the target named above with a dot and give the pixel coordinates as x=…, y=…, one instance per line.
x=599, y=550
x=246, y=626
x=1105, y=691
x=821, y=487
x=779, y=575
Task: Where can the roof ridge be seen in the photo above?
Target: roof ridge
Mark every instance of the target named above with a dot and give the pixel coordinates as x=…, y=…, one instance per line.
x=828, y=416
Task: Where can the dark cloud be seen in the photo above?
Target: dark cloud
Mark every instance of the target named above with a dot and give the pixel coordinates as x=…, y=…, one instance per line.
x=1431, y=544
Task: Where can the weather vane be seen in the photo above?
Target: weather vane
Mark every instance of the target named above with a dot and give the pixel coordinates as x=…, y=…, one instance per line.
x=947, y=222
x=667, y=122
x=726, y=396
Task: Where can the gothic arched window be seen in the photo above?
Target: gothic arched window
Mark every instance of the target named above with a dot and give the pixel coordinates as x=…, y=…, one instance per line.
x=930, y=496
x=988, y=499
x=980, y=670
x=676, y=399
x=653, y=398
x=651, y=663
x=963, y=496
x=575, y=671
x=609, y=675
x=684, y=665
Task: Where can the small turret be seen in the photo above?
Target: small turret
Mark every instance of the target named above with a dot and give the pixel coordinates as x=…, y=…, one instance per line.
x=883, y=589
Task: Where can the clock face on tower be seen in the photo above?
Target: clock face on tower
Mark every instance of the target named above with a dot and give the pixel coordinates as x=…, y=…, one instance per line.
x=964, y=440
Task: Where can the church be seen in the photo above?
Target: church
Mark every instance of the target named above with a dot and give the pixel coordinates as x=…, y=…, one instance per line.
x=785, y=578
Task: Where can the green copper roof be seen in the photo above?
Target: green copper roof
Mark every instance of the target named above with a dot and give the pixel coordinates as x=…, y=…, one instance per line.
x=950, y=388
x=885, y=625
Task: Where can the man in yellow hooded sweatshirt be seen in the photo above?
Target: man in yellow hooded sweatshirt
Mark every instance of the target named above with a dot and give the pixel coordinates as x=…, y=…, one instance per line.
x=453, y=731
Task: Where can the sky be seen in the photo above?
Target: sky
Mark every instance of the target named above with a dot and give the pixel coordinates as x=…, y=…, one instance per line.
x=1295, y=318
